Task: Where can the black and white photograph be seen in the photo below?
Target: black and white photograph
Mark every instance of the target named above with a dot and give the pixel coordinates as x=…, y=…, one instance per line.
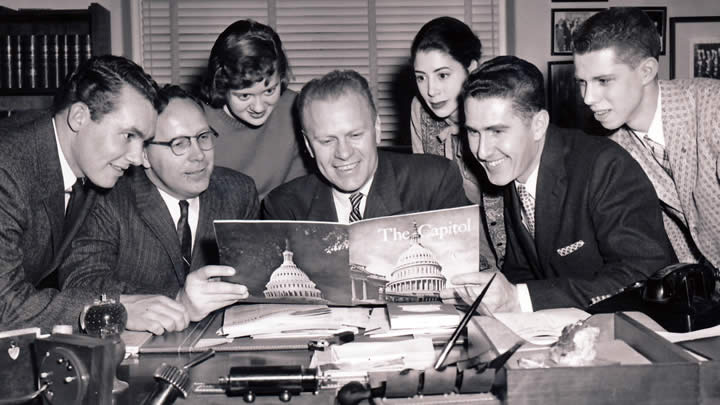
x=564, y=22
x=694, y=46
x=706, y=58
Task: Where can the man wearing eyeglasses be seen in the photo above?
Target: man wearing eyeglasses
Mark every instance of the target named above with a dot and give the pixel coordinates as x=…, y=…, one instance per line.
x=150, y=241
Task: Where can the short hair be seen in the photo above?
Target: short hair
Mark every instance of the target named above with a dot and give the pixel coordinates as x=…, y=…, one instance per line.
x=172, y=91
x=333, y=85
x=448, y=35
x=628, y=30
x=98, y=83
x=511, y=78
x=246, y=53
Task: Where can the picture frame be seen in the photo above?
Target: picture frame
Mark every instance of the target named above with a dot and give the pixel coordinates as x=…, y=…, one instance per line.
x=692, y=42
x=658, y=15
x=563, y=22
x=565, y=103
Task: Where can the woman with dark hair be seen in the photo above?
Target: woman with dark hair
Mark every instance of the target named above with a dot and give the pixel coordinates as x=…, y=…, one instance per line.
x=443, y=52
x=250, y=106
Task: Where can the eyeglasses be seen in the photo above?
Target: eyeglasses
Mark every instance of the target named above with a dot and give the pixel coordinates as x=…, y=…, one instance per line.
x=180, y=145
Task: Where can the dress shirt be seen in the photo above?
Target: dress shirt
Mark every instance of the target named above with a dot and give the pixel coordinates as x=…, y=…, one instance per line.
x=173, y=205
x=343, y=207
x=68, y=176
x=655, y=130
x=523, y=293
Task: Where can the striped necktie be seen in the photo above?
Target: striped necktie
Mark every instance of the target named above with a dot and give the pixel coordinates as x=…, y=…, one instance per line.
x=185, y=235
x=355, y=199
x=659, y=153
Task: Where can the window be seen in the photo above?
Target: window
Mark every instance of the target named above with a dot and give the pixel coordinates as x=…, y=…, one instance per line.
x=370, y=36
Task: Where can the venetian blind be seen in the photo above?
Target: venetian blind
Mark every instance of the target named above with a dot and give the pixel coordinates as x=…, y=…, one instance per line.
x=370, y=36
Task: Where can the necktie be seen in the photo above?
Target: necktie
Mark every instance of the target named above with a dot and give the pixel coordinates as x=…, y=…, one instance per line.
x=355, y=199
x=659, y=153
x=528, y=205
x=185, y=235
x=74, y=207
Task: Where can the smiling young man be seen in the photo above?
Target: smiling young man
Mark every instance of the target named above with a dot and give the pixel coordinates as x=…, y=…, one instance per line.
x=670, y=127
x=150, y=241
x=49, y=163
x=342, y=131
x=582, y=219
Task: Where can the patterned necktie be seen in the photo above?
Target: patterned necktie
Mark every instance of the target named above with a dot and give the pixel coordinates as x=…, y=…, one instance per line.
x=659, y=153
x=355, y=199
x=528, y=207
x=75, y=203
x=185, y=235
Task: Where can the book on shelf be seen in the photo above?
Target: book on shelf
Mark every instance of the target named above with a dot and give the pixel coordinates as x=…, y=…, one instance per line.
x=402, y=258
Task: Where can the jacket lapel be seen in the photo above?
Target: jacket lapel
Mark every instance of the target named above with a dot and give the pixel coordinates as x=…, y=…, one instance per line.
x=383, y=198
x=48, y=164
x=322, y=206
x=156, y=216
x=549, y=196
x=209, y=207
x=517, y=228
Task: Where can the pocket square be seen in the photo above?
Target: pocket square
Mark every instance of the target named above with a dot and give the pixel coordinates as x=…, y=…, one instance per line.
x=570, y=248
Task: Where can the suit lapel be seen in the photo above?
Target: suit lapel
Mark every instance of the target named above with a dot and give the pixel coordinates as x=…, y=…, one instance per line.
x=48, y=164
x=383, y=198
x=549, y=196
x=518, y=229
x=156, y=216
x=322, y=206
x=679, y=138
x=209, y=207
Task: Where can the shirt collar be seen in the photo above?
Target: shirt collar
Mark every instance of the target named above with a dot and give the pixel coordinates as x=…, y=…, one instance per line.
x=343, y=206
x=69, y=178
x=531, y=183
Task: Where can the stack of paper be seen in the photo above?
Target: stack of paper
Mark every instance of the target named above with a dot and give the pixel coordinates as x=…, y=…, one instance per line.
x=413, y=319
x=291, y=320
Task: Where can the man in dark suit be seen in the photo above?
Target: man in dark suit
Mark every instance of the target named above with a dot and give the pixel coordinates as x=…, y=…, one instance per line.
x=100, y=118
x=342, y=130
x=581, y=217
x=130, y=247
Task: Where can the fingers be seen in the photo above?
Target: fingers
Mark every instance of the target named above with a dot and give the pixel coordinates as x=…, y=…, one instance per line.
x=206, y=272
x=157, y=314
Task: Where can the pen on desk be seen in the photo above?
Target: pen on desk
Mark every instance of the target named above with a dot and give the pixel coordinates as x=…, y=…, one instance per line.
x=199, y=359
x=463, y=323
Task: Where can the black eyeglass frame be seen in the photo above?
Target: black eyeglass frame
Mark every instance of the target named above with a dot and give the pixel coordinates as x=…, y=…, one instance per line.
x=170, y=144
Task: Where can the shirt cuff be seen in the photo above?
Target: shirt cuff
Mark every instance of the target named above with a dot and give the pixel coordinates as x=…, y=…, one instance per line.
x=523, y=295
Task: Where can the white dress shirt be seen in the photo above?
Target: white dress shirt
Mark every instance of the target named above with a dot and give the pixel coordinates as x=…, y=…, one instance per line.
x=173, y=205
x=68, y=176
x=343, y=206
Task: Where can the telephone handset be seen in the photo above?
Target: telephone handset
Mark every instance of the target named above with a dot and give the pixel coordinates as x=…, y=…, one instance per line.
x=681, y=297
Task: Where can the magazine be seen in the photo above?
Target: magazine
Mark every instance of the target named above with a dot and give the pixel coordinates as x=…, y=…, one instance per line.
x=402, y=258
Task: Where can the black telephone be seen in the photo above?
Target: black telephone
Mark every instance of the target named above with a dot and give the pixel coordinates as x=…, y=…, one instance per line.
x=681, y=297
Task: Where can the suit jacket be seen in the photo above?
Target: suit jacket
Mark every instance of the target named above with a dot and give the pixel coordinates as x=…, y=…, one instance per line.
x=32, y=241
x=402, y=184
x=129, y=243
x=598, y=225
x=691, y=198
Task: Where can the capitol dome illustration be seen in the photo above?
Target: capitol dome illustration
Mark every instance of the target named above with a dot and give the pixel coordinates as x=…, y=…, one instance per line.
x=289, y=281
x=417, y=276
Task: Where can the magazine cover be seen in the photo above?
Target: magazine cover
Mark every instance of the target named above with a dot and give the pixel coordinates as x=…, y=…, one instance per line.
x=403, y=258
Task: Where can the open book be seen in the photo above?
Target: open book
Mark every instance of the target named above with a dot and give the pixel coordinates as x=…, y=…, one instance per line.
x=403, y=258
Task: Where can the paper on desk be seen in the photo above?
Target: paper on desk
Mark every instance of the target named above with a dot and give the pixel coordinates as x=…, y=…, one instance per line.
x=697, y=334
x=541, y=327
x=415, y=353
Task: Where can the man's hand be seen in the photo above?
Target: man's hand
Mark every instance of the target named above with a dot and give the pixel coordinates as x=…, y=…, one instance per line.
x=203, y=294
x=154, y=313
x=500, y=297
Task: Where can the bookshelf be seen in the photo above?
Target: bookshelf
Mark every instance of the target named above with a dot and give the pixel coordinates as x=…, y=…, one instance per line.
x=39, y=47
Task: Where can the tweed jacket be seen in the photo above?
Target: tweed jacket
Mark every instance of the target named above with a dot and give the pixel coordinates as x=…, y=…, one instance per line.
x=598, y=225
x=691, y=198
x=402, y=184
x=32, y=240
x=129, y=243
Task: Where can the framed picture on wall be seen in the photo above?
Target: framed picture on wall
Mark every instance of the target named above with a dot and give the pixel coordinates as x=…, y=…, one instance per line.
x=694, y=47
x=565, y=103
x=658, y=15
x=563, y=22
